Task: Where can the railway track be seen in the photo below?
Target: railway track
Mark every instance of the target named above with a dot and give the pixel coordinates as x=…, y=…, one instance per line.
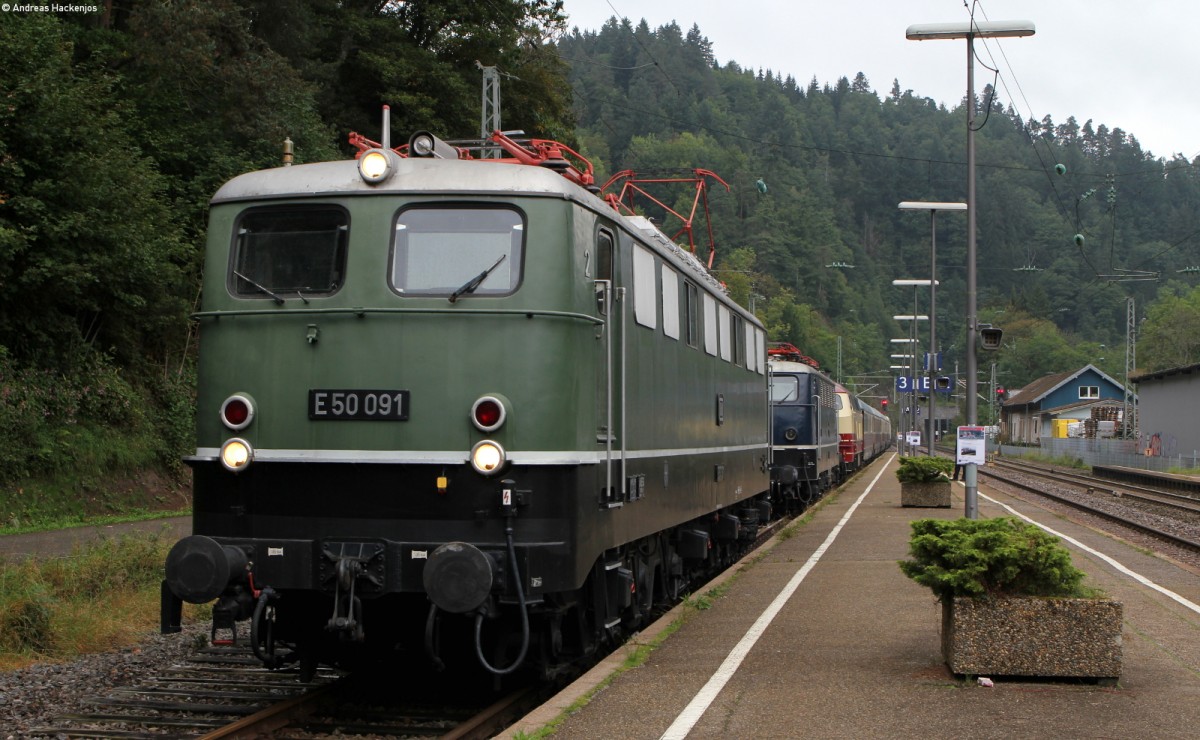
x=1162, y=515
x=1179, y=501
x=225, y=693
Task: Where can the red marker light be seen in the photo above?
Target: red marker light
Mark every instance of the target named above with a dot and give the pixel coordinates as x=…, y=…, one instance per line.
x=237, y=412
x=487, y=413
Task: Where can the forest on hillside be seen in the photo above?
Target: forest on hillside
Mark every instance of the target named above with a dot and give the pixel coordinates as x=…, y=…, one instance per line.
x=118, y=125
x=1073, y=219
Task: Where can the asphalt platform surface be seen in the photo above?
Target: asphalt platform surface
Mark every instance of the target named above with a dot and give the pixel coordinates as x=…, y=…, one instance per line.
x=853, y=651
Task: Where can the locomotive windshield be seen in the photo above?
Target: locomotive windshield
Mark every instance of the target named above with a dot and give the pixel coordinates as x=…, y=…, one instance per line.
x=280, y=252
x=439, y=250
x=784, y=389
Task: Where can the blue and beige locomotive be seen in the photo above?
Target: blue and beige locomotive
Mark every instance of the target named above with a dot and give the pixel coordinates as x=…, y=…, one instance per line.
x=805, y=459
x=820, y=432
x=452, y=403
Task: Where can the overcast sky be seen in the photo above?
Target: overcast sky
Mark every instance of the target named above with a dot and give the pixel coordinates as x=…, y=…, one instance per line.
x=1120, y=63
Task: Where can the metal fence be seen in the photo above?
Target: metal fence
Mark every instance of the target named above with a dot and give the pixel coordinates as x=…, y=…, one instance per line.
x=1124, y=452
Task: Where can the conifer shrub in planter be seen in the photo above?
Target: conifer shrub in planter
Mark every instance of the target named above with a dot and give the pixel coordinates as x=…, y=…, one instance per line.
x=1012, y=602
x=925, y=481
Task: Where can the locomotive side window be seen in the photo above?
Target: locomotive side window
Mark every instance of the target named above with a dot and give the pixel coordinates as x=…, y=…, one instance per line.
x=645, y=288
x=710, y=324
x=670, y=302
x=724, y=326
x=457, y=251
x=604, y=250
x=279, y=252
x=751, y=344
x=738, y=347
x=693, y=314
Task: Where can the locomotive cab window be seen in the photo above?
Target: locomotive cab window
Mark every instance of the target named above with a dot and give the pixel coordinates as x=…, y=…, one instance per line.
x=279, y=252
x=457, y=251
x=784, y=389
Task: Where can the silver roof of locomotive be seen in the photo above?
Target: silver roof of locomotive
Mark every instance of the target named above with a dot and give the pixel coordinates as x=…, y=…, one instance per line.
x=412, y=175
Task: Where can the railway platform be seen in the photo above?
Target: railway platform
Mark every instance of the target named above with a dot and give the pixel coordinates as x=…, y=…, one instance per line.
x=819, y=635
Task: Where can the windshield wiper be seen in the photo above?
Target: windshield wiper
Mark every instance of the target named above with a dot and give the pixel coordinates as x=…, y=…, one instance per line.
x=475, y=282
x=278, y=299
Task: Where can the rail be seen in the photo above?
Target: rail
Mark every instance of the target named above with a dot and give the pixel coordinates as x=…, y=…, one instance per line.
x=1119, y=518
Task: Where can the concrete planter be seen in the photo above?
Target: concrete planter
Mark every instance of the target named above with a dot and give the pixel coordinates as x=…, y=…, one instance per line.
x=1032, y=636
x=930, y=494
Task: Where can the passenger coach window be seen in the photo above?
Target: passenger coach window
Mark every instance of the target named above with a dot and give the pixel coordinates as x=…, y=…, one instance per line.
x=279, y=252
x=440, y=251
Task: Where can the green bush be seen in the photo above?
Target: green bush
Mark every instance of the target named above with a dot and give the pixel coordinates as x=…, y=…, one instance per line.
x=46, y=604
x=989, y=557
x=924, y=469
x=25, y=624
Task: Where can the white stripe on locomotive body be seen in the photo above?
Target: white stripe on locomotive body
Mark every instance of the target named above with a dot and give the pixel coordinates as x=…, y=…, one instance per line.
x=452, y=457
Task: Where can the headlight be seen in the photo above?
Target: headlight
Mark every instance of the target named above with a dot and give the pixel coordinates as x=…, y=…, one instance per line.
x=487, y=457
x=375, y=166
x=236, y=454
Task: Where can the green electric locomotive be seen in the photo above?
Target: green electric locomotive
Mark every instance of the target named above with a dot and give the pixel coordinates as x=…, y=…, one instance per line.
x=447, y=389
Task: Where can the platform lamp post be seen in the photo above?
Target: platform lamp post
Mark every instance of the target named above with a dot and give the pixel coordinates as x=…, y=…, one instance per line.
x=902, y=446
x=930, y=366
x=970, y=31
x=911, y=346
x=913, y=317
x=933, y=208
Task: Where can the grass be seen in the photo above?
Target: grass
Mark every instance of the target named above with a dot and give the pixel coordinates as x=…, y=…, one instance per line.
x=67, y=521
x=1062, y=461
x=103, y=595
x=1184, y=471
x=92, y=495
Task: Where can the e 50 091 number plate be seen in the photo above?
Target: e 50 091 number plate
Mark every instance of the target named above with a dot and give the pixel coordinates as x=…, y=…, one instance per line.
x=357, y=405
